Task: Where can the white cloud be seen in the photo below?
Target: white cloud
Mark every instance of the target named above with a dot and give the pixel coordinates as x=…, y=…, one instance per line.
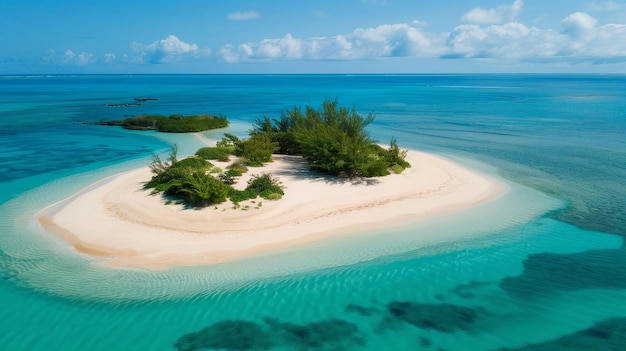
x=69, y=57
x=170, y=49
x=581, y=38
x=382, y=41
x=479, y=15
x=605, y=42
x=244, y=16
x=509, y=40
x=85, y=58
x=109, y=57
x=579, y=25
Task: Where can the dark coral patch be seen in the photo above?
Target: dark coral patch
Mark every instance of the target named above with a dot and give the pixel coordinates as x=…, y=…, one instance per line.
x=608, y=335
x=361, y=310
x=318, y=335
x=236, y=335
x=468, y=291
x=547, y=273
x=442, y=317
x=228, y=335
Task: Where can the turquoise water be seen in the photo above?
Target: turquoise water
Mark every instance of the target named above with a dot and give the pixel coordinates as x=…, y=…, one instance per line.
x=542, y=268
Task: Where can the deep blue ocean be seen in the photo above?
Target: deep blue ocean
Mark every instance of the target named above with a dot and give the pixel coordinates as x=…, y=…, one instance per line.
x=543, y=268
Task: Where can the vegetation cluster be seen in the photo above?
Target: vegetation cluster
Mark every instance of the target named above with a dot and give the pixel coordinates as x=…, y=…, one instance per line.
x=332, y=139
x=172, y=124
x=196, y=182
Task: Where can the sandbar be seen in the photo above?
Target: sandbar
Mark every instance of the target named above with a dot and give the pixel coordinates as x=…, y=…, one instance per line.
x=120, y=224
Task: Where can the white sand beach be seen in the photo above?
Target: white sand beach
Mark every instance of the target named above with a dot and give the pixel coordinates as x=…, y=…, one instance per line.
x=122, y=225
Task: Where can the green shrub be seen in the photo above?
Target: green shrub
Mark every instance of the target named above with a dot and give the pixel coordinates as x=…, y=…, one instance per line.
x=373, y=166
x=200, y=189
x=256, y=150
x=214, y=153
x=159, y=166
x=265, y=183
x=233, y=172
x=193, y=163
x=397, y=169
x=237, y=196
x=187, y=180
x=227, y=179
x=172, y=186
x=395, y=156
x=238, y=165
x=228, y=142
x=274, y=196
x=170, y=176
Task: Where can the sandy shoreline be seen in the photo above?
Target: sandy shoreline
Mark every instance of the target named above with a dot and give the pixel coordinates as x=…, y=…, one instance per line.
x=119, y=222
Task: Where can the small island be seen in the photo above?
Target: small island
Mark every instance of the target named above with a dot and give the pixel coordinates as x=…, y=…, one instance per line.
x=330, y=177
x=332, y=140
x=171, y=124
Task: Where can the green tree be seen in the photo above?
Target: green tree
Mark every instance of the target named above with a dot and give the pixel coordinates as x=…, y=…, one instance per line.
x=159, y=166
x=395, y=156
x=332, y=139
x=256, y=150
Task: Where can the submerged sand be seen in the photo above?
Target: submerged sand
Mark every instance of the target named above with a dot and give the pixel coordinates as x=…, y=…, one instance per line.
x=123, y=225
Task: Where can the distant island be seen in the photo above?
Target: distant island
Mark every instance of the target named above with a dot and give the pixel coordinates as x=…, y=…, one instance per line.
x=171, y=124
x=136, y=102
x=331, y=139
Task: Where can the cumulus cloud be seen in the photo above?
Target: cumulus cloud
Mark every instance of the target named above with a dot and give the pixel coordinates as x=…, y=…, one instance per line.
x=382, y=41
x=581, y=38
x=81, y=59
x=578, y=25
x=69, y=57
x=485, y=34
x=109, y=57
x=244, y=16
x=479, y=15
x=509, y=40
x=170, y=49
x=482, y=34
x=596, y=43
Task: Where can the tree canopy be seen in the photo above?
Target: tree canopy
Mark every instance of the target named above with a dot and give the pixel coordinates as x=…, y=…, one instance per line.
x=332, y=139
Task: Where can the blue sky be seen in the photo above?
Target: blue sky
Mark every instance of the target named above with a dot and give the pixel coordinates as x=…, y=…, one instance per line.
x=288, y=36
